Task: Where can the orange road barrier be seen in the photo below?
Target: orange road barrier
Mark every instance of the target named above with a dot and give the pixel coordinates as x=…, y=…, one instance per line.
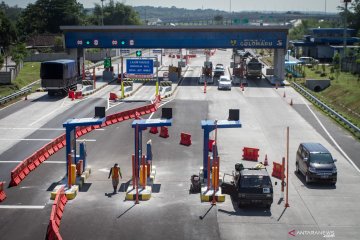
x=71, y=95
x=210, y=144
x=154, y=130
x=266, y=163
x=278, y=170
x=78, y=94
x=2, y=193
x=185, y=139
x=164, y=132
x=58, y=207
x=251, y=154
x=113, y=96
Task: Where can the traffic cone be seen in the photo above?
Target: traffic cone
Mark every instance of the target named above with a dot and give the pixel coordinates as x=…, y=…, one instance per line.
x=266, y=163
x=291, y=102
x=276, y=85
x=205, y=87
x=242, y=87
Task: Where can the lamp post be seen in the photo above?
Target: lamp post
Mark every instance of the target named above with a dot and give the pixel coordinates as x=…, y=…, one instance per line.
x=102, y=12
x=345, y=29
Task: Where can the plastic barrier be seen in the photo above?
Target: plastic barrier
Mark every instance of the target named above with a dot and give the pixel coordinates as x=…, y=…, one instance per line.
x=251, y=154
x=31, y=163
x=277, y=169
x=78, y=94
x=57, y=211
x=2, y=193
x=210, y=144
x=71, y=94
x=185, y=139
x=113, y=96
x=153, y=130
x=164, y=132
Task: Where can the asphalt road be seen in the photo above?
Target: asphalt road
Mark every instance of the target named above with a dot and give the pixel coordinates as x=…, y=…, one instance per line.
x=173, y=213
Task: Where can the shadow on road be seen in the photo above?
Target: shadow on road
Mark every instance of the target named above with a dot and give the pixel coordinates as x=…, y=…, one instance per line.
x=315, y=185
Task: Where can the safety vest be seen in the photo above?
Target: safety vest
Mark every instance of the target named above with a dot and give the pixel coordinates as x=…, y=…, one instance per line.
x=115, y=172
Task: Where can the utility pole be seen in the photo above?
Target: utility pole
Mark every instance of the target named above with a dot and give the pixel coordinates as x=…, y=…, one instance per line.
x=345, y=30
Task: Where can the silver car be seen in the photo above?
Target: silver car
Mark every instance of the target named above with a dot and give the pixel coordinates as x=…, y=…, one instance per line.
x=224, y=83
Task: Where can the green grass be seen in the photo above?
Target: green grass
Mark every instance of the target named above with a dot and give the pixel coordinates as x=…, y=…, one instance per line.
x=343, y=95
x=28, y=74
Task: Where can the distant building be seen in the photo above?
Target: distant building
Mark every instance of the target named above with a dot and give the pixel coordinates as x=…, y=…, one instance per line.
x=322, y=43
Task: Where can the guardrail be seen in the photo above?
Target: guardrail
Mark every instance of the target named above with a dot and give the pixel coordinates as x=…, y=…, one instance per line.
x=14, y=95
x=324, y=107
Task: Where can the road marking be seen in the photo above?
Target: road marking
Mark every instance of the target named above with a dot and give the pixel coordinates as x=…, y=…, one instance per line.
x=25, y=139
x=86, y=140
x=45, y=116
x=21, y=207
x=99, y=129
x=332, y=139
x=40, y=129
x=104, y=170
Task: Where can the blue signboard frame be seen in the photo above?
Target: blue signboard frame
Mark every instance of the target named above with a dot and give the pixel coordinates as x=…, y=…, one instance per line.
x=240, y=38
x=139, y=66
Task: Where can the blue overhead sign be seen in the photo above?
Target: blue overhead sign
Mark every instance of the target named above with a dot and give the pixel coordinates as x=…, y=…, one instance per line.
x=201, y=37
x=139, y=66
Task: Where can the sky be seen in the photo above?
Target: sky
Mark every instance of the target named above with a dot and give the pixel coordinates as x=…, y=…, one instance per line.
x=236, y=5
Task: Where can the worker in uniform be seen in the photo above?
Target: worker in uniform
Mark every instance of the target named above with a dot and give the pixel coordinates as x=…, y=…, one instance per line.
x=115, y=173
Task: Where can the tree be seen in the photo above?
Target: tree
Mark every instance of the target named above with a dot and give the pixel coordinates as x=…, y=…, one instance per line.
x=7, y=32
x=18, y=52
x=46, y=16
x=219, y=19
x=115, y=14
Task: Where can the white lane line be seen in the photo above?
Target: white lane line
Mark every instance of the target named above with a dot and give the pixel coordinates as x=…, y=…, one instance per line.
x=86, y=140
x=40, y=129
x=24, y=139
x=332, y=139
x=45, y=116
x=21, y=207
x=56, y=162
x=151, y=115
x=10, y=161
x=99, y=129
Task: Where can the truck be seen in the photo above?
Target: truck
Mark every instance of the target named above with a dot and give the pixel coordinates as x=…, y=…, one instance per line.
x=253, y=68
x=249, y=186
x=207, y=73
x=58, y=76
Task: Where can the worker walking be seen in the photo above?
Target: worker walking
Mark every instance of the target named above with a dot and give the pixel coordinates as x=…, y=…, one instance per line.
x=115, y=172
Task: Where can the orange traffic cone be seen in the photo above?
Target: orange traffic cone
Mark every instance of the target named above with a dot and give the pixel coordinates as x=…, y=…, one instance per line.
x=205, y=87
x=266, y=163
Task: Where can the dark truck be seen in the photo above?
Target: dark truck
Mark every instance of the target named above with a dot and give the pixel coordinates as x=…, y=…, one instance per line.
x=249, y=186
x=58, y=76
x=253, y=68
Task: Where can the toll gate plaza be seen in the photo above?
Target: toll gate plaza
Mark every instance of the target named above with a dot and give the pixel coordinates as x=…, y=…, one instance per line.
x=198, y=136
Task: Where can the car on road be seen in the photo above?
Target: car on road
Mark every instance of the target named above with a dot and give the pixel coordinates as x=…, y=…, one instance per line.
x=249, y=186
x=308, y=60
x=224, y=83
x=219, y=70
x=316, y=163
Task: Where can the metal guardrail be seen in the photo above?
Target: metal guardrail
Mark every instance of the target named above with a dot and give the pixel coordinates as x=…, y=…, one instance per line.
x=15, y=95
x=326, y=108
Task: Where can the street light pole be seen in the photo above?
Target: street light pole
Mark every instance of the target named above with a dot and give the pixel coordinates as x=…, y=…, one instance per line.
x=345, y=30
x=102, y=13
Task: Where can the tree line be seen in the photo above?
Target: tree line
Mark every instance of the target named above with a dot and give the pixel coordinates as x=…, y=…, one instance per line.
x=46, y=16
